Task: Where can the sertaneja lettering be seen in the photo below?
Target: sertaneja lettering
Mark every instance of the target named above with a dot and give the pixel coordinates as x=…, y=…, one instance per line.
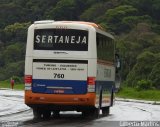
x=61, y=39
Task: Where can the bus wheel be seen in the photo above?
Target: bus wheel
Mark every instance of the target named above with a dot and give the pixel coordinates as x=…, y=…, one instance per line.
x=46, y=114
x=105, y=111
x=85, y=113
x=96, y=113
x=37, y=113
x=93, y=113
x=88, y=113
x=56, y=113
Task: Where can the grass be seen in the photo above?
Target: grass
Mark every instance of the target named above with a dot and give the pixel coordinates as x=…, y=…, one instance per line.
x=126, y=92
x=6, y=84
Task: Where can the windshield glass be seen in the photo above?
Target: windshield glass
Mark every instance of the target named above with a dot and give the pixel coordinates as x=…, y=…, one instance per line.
x=61, y=39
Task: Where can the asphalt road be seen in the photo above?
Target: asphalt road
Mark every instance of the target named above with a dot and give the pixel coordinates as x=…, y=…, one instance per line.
x=14, y=112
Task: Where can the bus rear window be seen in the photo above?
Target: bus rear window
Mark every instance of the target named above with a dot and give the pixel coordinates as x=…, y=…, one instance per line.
x=61, y=39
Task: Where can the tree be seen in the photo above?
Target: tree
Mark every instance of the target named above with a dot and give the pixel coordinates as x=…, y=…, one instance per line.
x=16, y=32
x=149, y=7
x=155, y=74
x=144, y=85
x=92, y=13
x=13, y=53
x=38, y=9
x=10, y=13
x=142, y=68
x=132, y=21
x=12, y=69
x=64, y=10
x=2, y=63
x=115, y=16
x=128, y=50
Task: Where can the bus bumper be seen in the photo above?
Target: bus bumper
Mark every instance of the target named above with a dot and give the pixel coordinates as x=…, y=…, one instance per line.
x=35, y=99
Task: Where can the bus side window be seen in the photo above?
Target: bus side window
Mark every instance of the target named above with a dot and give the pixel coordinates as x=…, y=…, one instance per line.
x=105, y=48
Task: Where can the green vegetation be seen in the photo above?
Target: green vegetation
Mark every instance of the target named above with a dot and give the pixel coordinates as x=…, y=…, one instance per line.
x=128, y=92
x=18, y=83
x=6, y=84
x=144, y=85
x=134, y=23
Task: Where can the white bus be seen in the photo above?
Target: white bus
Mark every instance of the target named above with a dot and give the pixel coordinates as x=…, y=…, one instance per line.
x=69, y=66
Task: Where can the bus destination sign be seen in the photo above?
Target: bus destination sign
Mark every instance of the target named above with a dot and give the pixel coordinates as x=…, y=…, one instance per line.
x=61, y=39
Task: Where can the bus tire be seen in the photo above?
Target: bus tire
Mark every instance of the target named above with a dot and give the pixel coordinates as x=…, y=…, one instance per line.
x=56, y=113
x=86, y=113
x=92, y=113
x=112, y=97
x=96, y=113
x=97, y=110
x=46, y=114
x=105, y=111
x=37, y=113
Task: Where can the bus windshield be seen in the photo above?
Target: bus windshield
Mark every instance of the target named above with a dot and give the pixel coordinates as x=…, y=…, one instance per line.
x=61, y=39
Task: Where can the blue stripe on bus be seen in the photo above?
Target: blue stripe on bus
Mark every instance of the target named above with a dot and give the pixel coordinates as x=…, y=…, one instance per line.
x=40, y=86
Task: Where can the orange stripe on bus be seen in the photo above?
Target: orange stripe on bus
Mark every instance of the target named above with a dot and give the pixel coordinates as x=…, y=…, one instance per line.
x=63, y=99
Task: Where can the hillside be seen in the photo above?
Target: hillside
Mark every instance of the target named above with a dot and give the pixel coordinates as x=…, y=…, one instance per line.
x=134, y=23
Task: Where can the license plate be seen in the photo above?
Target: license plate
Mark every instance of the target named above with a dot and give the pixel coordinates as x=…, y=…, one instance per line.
x=58, y=91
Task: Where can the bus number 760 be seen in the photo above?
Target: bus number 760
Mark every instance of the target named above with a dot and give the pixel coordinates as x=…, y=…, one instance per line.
x=56, y=75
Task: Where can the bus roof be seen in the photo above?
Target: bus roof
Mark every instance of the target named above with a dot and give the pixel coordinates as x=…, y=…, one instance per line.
x=77, y=22
x=98, y=28
x=82, y=22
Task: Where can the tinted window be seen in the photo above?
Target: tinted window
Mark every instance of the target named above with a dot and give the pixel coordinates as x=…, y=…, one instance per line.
x=105, y=47
x=61, y=39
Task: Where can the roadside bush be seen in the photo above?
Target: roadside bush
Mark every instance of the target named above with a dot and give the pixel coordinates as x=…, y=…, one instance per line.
x=155, y=75
x=17, y=79
x=144, y=85
x=142, y=68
